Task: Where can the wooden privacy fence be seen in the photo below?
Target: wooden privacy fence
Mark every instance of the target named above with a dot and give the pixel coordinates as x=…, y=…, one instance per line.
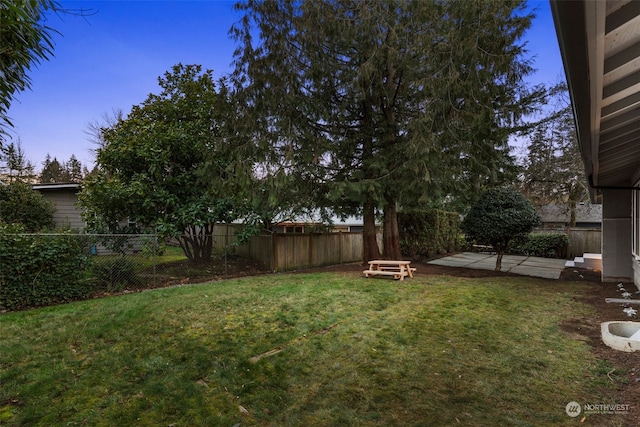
x=292, y=251
x=581, y=240
x=285, y=252
x=259, y=248
x=584, y=240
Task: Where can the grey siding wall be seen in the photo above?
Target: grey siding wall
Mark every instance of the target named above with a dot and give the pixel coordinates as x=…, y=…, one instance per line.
x=617, y=261
x=67, y=215
x=636, y=273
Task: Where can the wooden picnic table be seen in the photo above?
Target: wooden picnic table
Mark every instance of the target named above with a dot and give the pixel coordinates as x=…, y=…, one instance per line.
x=386, y=267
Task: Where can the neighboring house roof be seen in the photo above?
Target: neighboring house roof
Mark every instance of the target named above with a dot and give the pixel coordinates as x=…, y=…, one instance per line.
x=57, y=186
x=600, y=46
x=335, y=220
x=585, y=213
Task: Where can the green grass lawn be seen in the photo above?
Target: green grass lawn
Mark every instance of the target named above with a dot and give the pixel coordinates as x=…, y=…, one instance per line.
x=303, y=350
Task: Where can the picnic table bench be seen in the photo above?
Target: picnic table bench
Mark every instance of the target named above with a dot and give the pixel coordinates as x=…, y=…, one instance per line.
x=385, y=267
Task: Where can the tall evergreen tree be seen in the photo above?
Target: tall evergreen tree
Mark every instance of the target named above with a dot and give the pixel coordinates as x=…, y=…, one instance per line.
x=15, y=165
x=73, y=169
x=385, y=103
x=52, y=171
x=553, y=171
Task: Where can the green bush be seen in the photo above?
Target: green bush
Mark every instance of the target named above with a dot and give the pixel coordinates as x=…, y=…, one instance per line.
x=20, y=204
x=497, y=217
x=40, y=270
x=428, y=232
x=548, y=245
x=115, y=274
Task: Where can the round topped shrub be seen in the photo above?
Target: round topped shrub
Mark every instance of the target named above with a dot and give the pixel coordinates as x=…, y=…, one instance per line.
x=499, y=215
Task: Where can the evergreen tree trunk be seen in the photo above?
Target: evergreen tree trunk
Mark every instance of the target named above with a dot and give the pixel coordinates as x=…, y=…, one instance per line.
x=370, y=240
x=390, y=232
x=572, y=213
x=576, y=195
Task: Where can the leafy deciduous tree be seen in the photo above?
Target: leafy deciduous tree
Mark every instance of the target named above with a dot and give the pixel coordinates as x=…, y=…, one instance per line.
x=153, y=167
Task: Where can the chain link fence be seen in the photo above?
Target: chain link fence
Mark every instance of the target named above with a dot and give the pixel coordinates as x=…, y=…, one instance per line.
x=121, y=262
x=113, y=263
x=43, y=269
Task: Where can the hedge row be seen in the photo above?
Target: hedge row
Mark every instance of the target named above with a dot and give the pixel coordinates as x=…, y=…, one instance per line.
x=429, y=232
x=547, y=245
x=40, y=270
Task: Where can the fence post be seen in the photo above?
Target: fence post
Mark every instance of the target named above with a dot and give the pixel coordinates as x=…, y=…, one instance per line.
x=155, y=258
x=274, y=252
x=226, y=248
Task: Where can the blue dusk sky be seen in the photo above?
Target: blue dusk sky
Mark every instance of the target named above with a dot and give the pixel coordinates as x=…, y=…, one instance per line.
x=111, y=58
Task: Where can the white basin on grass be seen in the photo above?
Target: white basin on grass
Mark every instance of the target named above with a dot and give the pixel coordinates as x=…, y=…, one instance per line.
x=621, y=335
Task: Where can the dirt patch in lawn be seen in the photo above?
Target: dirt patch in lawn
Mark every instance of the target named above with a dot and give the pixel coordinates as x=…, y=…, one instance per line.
x=625, y=367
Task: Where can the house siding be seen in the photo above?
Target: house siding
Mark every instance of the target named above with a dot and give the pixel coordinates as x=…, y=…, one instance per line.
x=636, y=273
x=558, y=216
x=617, y=251
x=67, y=214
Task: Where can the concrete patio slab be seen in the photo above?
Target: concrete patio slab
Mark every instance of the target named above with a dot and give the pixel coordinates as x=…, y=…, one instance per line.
x=545, y=262
x=547, y=268
x=547, y=273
